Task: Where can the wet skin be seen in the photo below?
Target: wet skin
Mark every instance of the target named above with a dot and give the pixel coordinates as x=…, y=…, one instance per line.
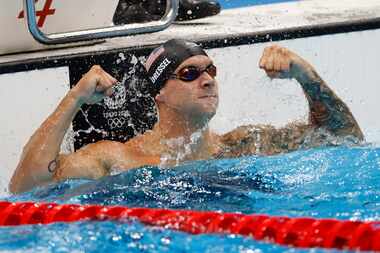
x=182, y=132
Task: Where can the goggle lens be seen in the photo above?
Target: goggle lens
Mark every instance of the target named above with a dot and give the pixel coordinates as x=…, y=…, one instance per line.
x=191, y=73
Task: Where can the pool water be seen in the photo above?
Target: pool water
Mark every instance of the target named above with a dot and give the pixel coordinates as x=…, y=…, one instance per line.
x=227, y=4
x=334, y=182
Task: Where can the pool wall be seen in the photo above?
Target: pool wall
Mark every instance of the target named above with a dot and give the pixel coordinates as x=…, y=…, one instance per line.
x=345, y=53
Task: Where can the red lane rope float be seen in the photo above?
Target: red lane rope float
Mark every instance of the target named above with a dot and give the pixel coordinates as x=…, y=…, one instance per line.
x=296, y=232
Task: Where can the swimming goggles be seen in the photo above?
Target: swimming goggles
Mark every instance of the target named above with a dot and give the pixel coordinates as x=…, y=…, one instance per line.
x=191, y=73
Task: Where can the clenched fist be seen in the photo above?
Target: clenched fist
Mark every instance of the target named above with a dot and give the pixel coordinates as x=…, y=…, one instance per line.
x=279, y=62
x=94, y=86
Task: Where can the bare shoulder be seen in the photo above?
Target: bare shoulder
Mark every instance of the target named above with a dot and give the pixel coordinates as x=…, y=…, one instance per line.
x=132, y=146
x=142, y=150
x=263, y=139
x=109, y=144
x=91, y=161
x=129, y=151
x=104, y=147
x=139, y=143
x=244, y=133
x=101, y=158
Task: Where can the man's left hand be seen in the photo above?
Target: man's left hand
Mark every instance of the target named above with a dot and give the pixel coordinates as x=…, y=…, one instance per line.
x=279, y=62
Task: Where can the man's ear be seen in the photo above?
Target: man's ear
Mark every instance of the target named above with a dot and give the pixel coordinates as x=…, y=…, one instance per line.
x=160, y=97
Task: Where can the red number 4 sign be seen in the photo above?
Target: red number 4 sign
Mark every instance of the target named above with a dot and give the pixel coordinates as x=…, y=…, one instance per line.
x=42, y=14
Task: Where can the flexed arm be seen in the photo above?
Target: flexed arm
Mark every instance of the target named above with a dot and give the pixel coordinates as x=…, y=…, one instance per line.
x=42, y=149
x=327, y=110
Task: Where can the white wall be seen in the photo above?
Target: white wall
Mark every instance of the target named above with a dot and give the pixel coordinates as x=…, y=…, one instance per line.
x=347, y=62
x=26, y=99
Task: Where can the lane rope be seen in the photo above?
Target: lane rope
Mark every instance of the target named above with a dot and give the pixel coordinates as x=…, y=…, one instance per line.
x=295, y=232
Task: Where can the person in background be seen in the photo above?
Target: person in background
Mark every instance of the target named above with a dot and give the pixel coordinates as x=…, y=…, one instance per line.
x=184, y=86
x=140, y=11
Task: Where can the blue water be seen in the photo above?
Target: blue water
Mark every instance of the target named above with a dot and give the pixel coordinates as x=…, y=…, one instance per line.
x=227, y=4
x=339, y=182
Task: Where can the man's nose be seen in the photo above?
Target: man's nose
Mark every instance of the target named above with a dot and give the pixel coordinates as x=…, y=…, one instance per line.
x=207, y=81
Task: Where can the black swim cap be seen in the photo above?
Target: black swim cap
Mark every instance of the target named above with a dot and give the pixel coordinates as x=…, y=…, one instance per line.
x=164, y=60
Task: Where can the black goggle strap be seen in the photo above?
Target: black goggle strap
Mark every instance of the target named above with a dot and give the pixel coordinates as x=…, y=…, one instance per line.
x=168, y=61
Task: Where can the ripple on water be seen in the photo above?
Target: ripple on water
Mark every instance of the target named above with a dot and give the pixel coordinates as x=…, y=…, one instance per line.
x=338, y=182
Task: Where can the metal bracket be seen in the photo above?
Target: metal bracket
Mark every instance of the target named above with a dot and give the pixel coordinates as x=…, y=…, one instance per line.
x=98, y=33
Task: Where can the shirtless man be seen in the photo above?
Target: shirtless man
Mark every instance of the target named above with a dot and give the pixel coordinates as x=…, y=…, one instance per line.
x=186, y=95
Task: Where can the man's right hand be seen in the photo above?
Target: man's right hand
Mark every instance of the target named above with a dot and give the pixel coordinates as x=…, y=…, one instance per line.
x=93, y=86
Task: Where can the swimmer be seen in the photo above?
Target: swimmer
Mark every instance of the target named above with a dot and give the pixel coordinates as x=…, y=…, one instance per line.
x=186, y=95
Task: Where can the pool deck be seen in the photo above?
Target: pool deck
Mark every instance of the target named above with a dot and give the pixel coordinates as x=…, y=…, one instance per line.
x=232, y=23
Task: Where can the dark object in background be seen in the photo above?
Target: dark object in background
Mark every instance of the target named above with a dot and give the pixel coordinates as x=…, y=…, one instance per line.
x=128, y=112
x=136, y=11
x=194, y=9
x=140, y=11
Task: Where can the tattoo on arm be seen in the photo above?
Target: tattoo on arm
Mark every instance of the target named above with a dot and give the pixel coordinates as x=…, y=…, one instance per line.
x=268, y=140
x=327, y=110
x=262, y=140
x=52, y=167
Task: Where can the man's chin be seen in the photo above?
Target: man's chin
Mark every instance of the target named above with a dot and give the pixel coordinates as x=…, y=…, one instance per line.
x=207, y=113
x=209, y=108
x=203, y=114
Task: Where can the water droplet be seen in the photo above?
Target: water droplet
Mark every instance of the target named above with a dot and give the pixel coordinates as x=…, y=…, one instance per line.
x=136, y=235
x=165, y=240
x=116, y=238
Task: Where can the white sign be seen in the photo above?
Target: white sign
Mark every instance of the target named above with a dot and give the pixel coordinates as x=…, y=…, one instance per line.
x=52, y=17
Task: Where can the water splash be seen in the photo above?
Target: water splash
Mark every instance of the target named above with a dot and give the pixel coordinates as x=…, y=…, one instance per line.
x=179, y=149
x=334, y=182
